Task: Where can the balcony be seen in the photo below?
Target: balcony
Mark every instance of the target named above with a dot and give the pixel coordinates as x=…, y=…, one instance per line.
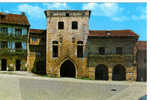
x=12, y=52
x=111, y=57
x=13, y=37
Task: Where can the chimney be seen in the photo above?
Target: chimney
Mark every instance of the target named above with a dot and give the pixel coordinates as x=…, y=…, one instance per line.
x=23, y=13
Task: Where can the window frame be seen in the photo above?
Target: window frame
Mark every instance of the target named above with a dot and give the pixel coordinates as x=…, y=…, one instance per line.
x=74, y=26
x=119, y=50
x=4, y=44
x=4, y=29
x=102, y=50
x=18, y=31
x=60, y=27
x=55, y=48
x=80, y=53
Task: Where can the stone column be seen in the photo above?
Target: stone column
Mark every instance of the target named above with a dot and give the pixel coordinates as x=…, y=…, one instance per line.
x=91, y=73
x=110, y=73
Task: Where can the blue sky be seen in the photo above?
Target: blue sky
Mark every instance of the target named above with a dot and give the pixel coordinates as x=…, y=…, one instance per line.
x=104, y=16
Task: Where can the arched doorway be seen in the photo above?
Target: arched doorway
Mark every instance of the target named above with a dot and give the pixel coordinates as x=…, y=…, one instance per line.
x=67, y=69
x=18, y=64
x=119, y=73
x=101, y=72
x=4, y=64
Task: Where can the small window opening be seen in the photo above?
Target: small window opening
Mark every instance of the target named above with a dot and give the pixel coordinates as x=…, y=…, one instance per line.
x=80, y=49
x=34, y=39
x=73, y=39
x=60, y=25
x=55, y=49
x=102, y=50
x=67, y=14
x=18, y=45
x=74, y=25
x=4, y=44
x=18, y=31
x=80, y=42
x=119, y=50
x=4, y=29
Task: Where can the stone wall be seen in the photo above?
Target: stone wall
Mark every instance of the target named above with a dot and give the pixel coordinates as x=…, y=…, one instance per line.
x=110, y=58
x=67, y=47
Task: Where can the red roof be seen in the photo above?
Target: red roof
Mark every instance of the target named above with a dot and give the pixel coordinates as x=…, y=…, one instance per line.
x=13, y=19
x=141, y=45
x=37, y=31
x=112, y=33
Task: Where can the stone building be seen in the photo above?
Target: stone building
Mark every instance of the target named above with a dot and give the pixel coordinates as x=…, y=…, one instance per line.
x=13, y=41
x=67, y=48
x=141, y=60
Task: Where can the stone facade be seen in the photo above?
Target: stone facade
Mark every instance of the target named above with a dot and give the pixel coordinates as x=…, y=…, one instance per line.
x=141, y=61
x=110, y=59
x=67, y=40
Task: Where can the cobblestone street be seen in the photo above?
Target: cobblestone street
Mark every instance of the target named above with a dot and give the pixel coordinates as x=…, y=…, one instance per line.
x=30, y=87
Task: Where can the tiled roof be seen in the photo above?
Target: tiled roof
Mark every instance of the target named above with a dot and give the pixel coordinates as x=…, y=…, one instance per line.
x=141, y=45
x=112, y=33
x=13, y=19
x=37, y=31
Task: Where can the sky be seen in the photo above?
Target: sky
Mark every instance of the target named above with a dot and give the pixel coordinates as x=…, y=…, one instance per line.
x=104, y=16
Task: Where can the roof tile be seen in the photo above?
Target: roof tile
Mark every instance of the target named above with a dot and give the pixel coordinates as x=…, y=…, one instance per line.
x=13, y=19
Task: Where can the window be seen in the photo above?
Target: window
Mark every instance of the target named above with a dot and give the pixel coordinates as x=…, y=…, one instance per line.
x=18, y=45
x=67, y=14
x=34, y=39
x=4, y=29
x=119, y=50
x=80, y=49
x=60, y=25
x=55, y=49
x=73, y=39
x=80, y=42
x=4, y=44
x=55, y=42
x=74, y=25
x=145, y=60
x=18, y=31
x=38, y=53
x=102, y=50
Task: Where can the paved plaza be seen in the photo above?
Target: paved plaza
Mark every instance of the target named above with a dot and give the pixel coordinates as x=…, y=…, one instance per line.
x=28, y=86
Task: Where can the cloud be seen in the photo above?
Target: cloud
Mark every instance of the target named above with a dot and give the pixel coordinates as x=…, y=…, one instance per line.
x=114, y=12
x=32, y=11
x=121, y=18
x=110, y=10
x=90, y=6
x=56, y=6
x=141, y=16
x=103, y=9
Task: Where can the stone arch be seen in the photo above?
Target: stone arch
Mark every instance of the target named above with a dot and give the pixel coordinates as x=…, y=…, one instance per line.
x=119, y=72
x=4, y=65
x=101, y=72
x=67, y=69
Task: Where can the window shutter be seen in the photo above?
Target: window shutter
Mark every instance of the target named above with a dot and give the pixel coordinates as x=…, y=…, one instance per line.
x=24, y=45
x=24, y=31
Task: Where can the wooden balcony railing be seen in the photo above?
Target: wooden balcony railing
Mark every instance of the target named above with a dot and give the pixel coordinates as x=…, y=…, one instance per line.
x=12, y=52
x=13, y=37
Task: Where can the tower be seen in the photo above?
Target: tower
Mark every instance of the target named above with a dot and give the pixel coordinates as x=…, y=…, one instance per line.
x=67, y=32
